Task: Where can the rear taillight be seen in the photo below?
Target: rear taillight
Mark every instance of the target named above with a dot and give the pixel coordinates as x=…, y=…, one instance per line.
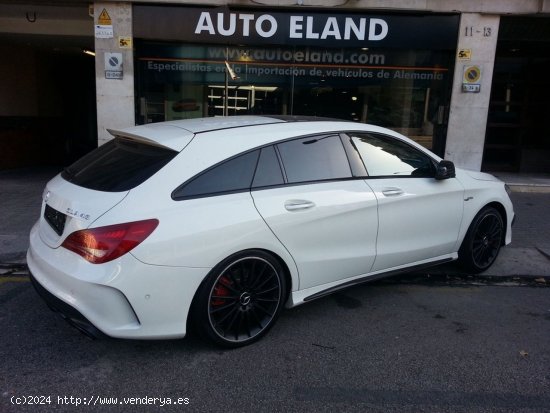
x=103, y=244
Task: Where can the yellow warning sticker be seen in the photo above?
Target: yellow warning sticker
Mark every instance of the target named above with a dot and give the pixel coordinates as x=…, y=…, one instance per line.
x=125, y=42
x=104, y=18
x=464, y=54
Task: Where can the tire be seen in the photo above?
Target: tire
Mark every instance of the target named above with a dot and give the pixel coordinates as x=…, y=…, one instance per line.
x=241, y=299
x=482, y=242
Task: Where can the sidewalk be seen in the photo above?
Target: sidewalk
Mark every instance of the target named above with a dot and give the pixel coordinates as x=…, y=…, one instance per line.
x=539, y=183
x=527, y=255
x=529, y=252
x=20, y=202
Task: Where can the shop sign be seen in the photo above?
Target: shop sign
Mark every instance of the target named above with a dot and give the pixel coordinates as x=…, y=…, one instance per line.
x=273, y=65
x=338, y=29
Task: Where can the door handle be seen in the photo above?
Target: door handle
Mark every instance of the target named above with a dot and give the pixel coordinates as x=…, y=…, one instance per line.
x=392, y=191
x=298, y=204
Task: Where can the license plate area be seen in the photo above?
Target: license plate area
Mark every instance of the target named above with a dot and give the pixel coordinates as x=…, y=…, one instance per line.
x=56, y=219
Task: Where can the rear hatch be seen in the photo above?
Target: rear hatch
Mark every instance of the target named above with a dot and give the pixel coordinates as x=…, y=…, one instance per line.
x=93, y=185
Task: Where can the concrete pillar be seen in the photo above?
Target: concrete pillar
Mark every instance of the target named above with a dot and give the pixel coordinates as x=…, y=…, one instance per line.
x=115, y=97
x=468, y=112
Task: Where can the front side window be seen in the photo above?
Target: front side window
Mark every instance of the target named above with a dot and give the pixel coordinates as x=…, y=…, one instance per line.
x=230, y=176
x=386, y=156
x=314, y=159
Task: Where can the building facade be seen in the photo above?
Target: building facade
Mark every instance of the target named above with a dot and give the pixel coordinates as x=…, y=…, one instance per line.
x=465, y=79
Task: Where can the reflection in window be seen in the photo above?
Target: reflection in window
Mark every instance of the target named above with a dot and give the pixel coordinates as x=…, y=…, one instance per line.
x=182, y=80
x=314, y=159
x=385, y=156
x=268, y=171
x=231, y=176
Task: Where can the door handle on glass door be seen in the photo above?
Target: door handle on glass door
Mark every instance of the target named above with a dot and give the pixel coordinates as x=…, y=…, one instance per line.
x=298, y=204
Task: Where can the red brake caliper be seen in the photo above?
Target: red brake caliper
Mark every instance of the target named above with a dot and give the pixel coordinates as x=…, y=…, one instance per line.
x=220, y=291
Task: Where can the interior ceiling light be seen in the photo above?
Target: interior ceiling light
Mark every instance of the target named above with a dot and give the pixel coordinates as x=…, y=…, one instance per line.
x=88, y=52
x=31, y=17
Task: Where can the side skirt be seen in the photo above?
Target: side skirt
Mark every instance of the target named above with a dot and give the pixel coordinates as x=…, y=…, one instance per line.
x=369, y=278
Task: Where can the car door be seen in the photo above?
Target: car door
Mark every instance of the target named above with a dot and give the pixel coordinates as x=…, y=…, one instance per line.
x=324, y=216
x=419, y=216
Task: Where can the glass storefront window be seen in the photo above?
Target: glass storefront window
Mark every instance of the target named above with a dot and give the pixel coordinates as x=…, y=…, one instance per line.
x=404, y=90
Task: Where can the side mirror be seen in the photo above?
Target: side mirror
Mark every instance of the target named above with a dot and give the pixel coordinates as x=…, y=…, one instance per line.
x=445, y=169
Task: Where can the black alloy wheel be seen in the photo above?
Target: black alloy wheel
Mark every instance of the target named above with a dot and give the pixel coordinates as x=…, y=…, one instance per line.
x=483, y=240
x=241, y=299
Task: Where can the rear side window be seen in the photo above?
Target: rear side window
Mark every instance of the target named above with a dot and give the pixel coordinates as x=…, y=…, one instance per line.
x=118, y=165
x=314, y=159
x=268, y=172
x=230, y=176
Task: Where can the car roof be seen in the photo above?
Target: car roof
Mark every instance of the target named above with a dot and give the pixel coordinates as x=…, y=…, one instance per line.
x=178, y=133
x=254, y=131
x=205, y=142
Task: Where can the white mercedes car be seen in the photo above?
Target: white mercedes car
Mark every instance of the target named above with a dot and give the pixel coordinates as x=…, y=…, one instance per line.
x=221, y=222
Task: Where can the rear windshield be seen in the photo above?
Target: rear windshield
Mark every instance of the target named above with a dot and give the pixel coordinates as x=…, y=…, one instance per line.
x=118, y=165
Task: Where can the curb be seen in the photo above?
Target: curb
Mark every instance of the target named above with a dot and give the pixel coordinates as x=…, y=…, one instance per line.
x=529, y=188
x=463, y=280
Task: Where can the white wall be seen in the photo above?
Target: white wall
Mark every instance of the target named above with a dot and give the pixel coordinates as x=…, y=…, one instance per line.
x=468, y=111
x=115, y=97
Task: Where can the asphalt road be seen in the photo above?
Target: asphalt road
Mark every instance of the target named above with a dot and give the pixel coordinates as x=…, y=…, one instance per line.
x=384, y=347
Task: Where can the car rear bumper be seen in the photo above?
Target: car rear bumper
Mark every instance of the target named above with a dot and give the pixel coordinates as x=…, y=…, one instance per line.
x=68, y=313
x=124, y=298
